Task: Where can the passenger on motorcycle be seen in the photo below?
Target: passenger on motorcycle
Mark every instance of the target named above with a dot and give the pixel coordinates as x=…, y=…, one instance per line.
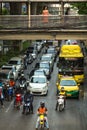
x=62, y=94
x=42, y=110
x=28, y=97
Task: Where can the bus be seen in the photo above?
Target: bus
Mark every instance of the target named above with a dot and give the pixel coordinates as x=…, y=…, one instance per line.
x=71, y=62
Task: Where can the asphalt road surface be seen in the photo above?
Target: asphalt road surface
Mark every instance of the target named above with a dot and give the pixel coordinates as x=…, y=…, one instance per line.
x=74, y=117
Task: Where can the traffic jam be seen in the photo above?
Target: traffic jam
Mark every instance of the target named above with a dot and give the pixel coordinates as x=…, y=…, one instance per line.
x=44, y=87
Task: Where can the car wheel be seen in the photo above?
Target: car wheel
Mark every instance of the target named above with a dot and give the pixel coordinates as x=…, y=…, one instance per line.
x=46, y=93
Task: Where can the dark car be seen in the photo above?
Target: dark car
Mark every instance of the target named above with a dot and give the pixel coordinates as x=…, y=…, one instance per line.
x=5, y=75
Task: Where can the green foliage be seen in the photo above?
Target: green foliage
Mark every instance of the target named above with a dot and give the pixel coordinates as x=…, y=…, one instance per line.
x=82, y=7
x=5, y=11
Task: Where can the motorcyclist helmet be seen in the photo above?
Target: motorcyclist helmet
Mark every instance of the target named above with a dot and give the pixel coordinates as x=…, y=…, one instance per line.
x=42, y=104
x=22, y=75
x=62, y=89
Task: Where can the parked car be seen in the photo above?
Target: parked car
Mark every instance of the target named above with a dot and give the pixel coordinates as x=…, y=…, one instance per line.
x=38, y=85
x=18, y=62
x=70, y=86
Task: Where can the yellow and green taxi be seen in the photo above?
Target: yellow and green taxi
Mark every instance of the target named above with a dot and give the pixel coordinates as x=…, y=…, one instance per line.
x=70, y=86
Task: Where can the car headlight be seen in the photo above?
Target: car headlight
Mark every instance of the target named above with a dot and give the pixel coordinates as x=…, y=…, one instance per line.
x=44, y=87
x=59, y=70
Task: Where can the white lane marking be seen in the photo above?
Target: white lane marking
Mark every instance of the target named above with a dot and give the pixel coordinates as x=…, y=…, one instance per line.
x=9, y=106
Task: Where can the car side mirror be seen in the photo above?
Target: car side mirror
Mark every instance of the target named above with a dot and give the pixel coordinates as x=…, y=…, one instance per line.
x=27, y=83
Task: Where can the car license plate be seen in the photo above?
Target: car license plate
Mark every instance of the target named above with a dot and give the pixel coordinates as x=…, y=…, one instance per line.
x=68, y=94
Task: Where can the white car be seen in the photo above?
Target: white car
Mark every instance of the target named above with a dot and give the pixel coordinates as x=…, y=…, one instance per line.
x=38, y=85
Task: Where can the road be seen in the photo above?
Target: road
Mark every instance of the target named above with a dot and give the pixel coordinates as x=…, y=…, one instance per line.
x=72, y=118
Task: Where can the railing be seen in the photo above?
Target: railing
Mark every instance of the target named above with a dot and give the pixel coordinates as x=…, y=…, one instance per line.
x=42, y=22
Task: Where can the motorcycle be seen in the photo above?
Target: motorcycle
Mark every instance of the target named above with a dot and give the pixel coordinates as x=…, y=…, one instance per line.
x=18, y=101
x=22, y=85
x=27, y=106
x=60, y=104
x=42, y=121
x=9, y=93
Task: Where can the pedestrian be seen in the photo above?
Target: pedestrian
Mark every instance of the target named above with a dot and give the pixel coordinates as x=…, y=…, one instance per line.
x=45, y=14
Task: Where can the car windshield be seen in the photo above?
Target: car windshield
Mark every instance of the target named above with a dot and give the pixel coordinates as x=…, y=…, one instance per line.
x=50, y=51
x=46, y=58
x=9, y=68
x=68, y=83
x=44, y=65
x=13, y=62
x=38, y=80
x=38, y=73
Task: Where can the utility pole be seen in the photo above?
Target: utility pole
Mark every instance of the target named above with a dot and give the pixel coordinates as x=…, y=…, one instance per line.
x=29, y=13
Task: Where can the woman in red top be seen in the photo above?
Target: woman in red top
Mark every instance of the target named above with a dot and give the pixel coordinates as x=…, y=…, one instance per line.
x=45, y=14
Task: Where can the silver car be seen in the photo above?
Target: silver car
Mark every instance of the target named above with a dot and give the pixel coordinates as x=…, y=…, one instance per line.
x=11, y=68
x=18, y=62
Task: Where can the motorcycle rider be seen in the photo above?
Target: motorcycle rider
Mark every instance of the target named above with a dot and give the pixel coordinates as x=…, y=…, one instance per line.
x=42, y=110
x=12, y=83
x=22, y=78
x=29, y=97
x=62, y=94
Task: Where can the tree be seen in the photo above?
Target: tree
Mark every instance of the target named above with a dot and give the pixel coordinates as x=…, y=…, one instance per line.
x=82, y=7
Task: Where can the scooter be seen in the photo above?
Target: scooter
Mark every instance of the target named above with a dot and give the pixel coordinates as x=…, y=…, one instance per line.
x=18, y=101
x=22, y=85
x=61, y=104
x=42, y=121
x=27, y=106
x=9, y=93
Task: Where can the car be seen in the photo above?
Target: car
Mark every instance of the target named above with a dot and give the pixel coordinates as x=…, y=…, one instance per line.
x=46, y=67
x=38, y=85
x=39, y=72
x=70, y=86
x=11, y=68
x=52, y=50
x=5, y=75
x=49, y=58
x=18, y=62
